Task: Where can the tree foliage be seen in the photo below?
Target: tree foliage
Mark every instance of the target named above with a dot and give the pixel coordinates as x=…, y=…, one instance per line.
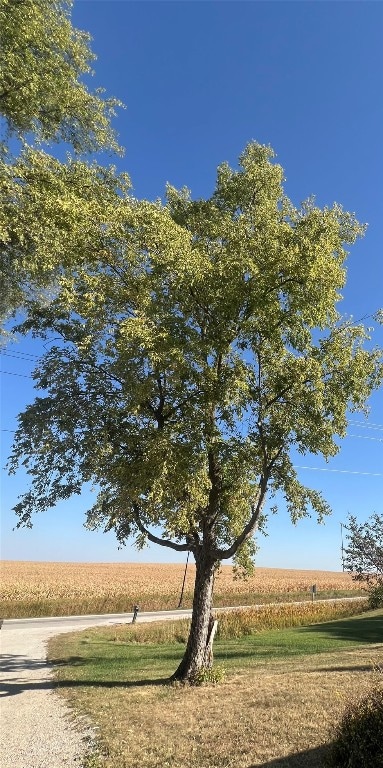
x=43, y=59
x=363, y=556
x=198, y=343
x=50, y=212
x=43, y=98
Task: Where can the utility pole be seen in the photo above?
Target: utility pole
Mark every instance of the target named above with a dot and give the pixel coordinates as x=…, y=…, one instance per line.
x=183, y=583
x=342, y=547
x=342, y=525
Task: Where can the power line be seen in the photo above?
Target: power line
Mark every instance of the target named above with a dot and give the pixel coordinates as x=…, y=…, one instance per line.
x=359, y=437
x=18, y=352
x=23, y=376
x=18, y=356
x=342, y=471
x=297, y=466
x=376, y=427
x=366, y=426
x=367, y=437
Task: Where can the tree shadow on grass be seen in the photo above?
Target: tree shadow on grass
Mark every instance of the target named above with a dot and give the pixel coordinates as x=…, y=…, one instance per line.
x=17, y=671
x=109, y=677
x=12, y=688
x=351, y=668
x=361, y=629
x=310, y=758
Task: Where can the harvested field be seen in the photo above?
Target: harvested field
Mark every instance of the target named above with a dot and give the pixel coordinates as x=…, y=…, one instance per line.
x=43, y=589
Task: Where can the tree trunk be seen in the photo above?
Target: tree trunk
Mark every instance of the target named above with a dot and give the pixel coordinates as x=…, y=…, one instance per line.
x=198, y=654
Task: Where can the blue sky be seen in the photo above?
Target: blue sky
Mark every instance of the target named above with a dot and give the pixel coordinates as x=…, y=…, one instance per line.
x=200, y=80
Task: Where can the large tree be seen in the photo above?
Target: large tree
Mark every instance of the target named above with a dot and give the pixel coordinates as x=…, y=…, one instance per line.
x=199, y=343
x=44, y=99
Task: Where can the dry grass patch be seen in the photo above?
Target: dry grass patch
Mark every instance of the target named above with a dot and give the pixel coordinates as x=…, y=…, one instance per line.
x=272, y=712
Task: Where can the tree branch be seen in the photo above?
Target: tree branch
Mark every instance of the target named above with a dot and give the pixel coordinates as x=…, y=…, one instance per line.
x=205, y=309
x=156, y=539
x=224, y=554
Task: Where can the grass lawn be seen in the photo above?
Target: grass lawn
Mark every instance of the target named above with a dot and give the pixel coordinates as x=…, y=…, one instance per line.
x=283, y=691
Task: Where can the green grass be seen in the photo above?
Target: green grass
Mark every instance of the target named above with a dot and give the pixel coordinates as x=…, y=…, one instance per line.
x=300, y=641
x=102, y=656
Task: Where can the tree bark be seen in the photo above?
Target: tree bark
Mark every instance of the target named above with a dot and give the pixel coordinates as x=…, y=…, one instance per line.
x=198, y=654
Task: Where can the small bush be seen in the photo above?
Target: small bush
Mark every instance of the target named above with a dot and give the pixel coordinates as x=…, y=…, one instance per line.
x=358, y=741
x=210, y=676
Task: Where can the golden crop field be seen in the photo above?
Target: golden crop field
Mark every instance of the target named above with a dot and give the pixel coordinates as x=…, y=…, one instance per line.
x=41, y=588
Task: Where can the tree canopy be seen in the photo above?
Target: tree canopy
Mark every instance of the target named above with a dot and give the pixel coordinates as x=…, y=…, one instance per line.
x=199, y=341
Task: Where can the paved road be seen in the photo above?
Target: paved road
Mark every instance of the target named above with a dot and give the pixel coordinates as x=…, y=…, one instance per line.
x=69, y=623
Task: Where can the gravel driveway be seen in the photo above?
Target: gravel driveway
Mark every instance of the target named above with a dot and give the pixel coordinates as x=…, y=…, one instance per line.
x=37, y=728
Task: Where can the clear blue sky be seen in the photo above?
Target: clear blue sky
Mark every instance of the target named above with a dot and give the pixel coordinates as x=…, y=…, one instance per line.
x=201, y=79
